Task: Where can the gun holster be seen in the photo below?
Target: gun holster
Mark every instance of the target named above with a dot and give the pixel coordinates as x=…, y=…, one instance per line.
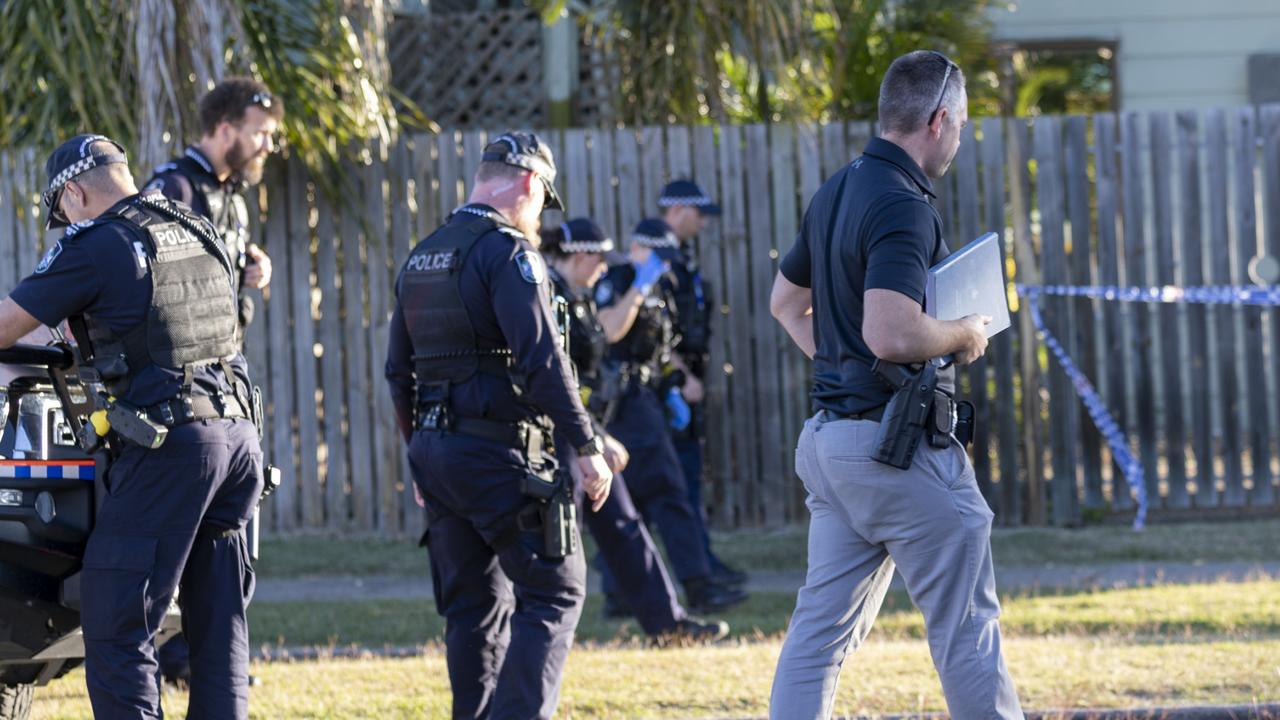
x=908, y=413
x=555, y=511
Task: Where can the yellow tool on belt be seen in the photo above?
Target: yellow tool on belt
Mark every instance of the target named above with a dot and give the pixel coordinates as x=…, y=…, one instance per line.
x=129, y=423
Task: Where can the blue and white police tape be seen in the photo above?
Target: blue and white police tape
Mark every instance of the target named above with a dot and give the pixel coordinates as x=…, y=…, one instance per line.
x=1265, y=296
x=1102, y=419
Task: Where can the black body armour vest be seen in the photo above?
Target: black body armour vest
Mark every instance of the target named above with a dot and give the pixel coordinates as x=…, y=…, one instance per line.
x=192, y=317
x=446, y=350
x=587, y=342
x=222, y=203
x=652, y=337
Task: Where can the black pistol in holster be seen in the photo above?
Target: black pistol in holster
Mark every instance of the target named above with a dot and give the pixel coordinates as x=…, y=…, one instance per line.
x=907, y=413
x=553, y=500
x=918, y=408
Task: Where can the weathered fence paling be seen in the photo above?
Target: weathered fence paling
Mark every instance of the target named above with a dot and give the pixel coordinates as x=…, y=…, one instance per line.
x=1155, y=198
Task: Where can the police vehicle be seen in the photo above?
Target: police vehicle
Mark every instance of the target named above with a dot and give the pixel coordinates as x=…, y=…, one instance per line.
x=49, y=494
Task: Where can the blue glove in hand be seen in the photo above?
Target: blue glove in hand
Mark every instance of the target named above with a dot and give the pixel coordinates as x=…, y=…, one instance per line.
x=648, y=273
x=679, y=413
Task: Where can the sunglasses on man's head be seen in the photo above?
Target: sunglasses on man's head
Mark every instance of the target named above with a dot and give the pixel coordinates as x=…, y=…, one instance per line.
x=942, y=92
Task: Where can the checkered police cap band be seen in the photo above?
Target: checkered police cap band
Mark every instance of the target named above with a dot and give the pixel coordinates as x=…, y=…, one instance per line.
x=521, y=157
x=676, y=200
x=657, y=242
x=569, y=245
x=88, y=160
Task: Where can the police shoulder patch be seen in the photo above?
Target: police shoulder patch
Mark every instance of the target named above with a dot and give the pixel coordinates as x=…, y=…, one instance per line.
x=532, y=269
x=47, y=261
x=604, y=291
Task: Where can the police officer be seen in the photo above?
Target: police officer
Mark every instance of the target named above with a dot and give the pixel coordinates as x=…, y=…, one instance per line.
x=860, y=263
x=239, y=119
x=576, y=253
x=148, y=291
x=636, y=311
x=685, y=209
x=479, y=378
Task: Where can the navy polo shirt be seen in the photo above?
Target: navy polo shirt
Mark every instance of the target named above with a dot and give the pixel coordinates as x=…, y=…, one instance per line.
x=871, y=225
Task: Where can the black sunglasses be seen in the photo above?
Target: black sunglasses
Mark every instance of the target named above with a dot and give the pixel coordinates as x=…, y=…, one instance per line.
x=943, y=91
x=53, y=200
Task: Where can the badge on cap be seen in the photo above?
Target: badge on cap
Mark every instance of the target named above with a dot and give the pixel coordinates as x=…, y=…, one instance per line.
x=47, y=261
x=531, y=267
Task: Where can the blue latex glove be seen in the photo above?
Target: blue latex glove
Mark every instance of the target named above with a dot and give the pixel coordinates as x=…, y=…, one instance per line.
x=680, y=414
x=648, y=273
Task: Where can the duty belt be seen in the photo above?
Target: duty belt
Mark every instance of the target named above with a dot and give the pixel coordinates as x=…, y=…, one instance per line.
x=875, y=414
x=181, y=411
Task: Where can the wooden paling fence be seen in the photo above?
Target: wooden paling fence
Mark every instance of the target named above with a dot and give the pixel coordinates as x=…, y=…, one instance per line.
x=1131, y=199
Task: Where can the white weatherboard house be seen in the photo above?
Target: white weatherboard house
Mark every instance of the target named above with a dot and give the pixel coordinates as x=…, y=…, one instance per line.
x=1166, y=54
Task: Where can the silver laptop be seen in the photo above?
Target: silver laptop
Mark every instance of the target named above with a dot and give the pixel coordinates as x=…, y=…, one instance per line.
x=969, y=281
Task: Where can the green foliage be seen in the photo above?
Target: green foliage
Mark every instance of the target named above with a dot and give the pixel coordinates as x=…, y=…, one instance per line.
x=61, y=71
x=769, y=60
x=74, y=66
x=1058, y=82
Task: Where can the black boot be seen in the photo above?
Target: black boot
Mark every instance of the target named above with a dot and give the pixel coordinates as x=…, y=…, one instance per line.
x=693, y=631
x=725, y=574
x=615, y=608
x=706, y=596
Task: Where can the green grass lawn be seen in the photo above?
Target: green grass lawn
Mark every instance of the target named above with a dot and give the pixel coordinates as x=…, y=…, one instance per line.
x=784, y=549
x=733, y=680
x=1217, y=610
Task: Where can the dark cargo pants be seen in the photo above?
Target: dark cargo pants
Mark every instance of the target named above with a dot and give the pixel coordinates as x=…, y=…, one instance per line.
x=173, y=516
x=509, y=614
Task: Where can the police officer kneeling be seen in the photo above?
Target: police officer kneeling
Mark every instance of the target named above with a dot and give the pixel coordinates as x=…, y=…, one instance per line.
x=149, y=294
x=480, y=379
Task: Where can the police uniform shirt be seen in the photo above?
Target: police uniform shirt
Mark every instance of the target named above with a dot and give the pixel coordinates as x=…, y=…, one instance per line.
x=103, y=270
x=507, y=295
x=643, y=341
x=871, y=226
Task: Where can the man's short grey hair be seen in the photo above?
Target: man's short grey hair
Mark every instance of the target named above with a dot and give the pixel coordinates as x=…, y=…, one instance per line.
x=909, y=91
x=104, y=178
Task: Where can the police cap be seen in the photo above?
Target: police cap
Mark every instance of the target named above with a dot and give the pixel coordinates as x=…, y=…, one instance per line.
x=687, y=192
x=73, y=157
x=580, y=235
x=656, y=234
x=525, y=150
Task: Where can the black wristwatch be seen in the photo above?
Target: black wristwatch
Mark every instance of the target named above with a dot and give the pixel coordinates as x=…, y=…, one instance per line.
x=594, y=446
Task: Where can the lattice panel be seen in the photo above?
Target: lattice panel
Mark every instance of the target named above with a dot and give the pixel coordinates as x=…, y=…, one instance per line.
x=476, y=69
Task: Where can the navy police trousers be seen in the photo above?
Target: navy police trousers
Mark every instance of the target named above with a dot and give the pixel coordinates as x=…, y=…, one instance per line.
x=631, y=558
x=509, y=614
x=656, y=481
x=174, y=516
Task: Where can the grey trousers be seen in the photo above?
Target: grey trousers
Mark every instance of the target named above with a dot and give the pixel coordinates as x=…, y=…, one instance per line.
x=866, y=516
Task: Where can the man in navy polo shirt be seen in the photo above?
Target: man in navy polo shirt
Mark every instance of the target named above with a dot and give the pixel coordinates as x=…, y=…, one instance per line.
x=859, y=264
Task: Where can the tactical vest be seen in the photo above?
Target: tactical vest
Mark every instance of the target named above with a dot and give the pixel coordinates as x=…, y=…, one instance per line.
x=588, y=344
x=652, y=336
x=221, y=202
x=446, y=350
x=191, y=320
x=692, y=310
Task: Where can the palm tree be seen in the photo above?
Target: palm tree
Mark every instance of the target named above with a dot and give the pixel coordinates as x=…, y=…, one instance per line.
x=133, y=69
x=753, y=60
